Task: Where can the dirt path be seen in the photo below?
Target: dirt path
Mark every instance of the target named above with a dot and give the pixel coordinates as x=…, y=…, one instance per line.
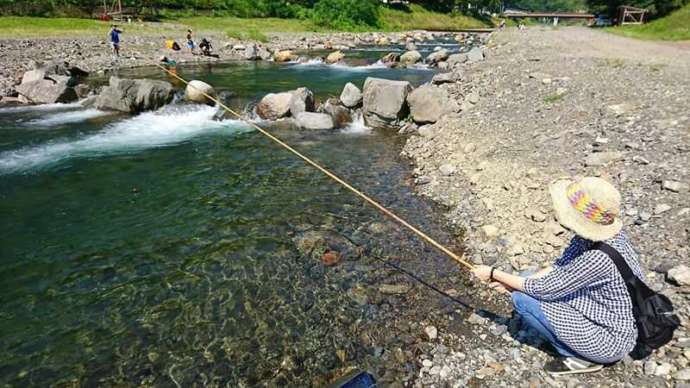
x=545, y=104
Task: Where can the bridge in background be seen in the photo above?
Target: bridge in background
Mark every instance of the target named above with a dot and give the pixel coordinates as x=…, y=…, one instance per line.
x=512, y=14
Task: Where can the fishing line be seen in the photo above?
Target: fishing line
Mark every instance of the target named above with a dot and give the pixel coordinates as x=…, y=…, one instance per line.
x=381, y=208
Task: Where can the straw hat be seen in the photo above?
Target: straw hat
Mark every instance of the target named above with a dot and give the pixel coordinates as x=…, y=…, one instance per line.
x=589, y=207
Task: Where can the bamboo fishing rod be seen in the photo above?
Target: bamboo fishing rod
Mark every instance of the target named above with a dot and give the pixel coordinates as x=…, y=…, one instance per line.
x=381, y=208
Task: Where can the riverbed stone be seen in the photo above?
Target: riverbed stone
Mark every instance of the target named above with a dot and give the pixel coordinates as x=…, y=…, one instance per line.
x=196, y=90
x=679, y=275
x=598, y=159
x=341, y=115
x=385, y=102
x=410, y=58
x=437, y=56
x=134, y=95
x=456, y=59
x=351, y=96
x=428, y=103
x=274, y=106
x=448, y=77
x=48, y=90
x=476, y=54
x=284, y=56
x=314, y=121
x=302, y=100
x=674, y=186
x=335, y=57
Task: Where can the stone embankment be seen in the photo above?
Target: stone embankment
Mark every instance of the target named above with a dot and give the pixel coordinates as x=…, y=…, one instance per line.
x=546, y=104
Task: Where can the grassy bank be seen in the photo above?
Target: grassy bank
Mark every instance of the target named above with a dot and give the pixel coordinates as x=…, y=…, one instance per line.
x=391, y=20
x=675, y=26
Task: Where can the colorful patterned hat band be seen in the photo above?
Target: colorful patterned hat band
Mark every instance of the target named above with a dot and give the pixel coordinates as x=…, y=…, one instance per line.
x=582, y=202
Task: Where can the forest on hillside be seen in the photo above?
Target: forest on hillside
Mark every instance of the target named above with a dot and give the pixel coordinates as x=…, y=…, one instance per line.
x=329, y=13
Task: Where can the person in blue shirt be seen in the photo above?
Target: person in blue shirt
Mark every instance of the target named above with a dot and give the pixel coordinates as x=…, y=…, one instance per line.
x=115, y=40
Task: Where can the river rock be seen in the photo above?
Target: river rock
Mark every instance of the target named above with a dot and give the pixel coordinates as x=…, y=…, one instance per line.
x=195, y=91
x=428, y=103
x=394, y=289
x=335, y=57
x=341, y=115
x=674, y=186
x=250, y=52
x=437, y=56
x=314, y=121
x=134, y=95
x=448, y=77
x=302, y=101
x=351, y=96
x=391, y=58
x=475, y=55
x=285, y=56
x=274, y=106
x=384, y=102
x=456, y=59
x=410, y=58
x=50, y=89
x=679, y=275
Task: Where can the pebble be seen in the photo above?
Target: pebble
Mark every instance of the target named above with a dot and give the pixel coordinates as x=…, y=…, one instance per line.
x=649, y=367
x=427, y=363
x=431, y=332
x=674, y=186
x=447, y=169
x=663, y=369
x=661, y=208
x=682, y=375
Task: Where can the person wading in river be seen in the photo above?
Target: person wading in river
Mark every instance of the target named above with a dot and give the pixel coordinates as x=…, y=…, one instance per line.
x=580, y=305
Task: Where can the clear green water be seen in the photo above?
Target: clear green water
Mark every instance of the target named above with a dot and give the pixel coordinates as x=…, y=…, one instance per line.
x=161, y=249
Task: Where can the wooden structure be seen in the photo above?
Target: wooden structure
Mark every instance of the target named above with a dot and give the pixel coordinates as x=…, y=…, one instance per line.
x=630, y=15
x=114, y=11
x=515, y=14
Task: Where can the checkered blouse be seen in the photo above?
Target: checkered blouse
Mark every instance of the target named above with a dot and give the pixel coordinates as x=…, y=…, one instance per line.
x=586, y=301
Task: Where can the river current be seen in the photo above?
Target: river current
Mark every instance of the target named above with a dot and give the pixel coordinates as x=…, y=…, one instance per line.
x=172, y=249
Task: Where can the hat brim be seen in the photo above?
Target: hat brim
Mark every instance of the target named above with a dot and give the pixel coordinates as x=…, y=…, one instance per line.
x=576, y=221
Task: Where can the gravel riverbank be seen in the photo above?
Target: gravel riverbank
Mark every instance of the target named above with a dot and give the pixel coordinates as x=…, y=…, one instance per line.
x=545, y=104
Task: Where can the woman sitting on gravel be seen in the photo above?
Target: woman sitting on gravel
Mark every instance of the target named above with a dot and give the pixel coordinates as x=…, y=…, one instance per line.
x=581, y=305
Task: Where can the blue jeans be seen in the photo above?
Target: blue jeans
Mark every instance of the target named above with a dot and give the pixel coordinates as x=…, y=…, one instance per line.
x=530, y=310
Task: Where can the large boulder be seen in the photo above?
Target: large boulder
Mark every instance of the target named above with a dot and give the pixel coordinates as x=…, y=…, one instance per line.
x=341, y=115
x=196, y=91
x=384, y=102
x=49, y=89
x=429, y=103
x=437, y=56
x=391, y=59
x=250, y=53
x=285, y=56
x=302, y=101
x=351, y=96
x=274, y=106
x=134, y=95
x=475, y=55
x=335, y=57
x=410, y=58
x=316, y=121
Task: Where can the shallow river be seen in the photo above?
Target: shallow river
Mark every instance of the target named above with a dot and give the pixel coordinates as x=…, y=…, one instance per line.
x=168, y=249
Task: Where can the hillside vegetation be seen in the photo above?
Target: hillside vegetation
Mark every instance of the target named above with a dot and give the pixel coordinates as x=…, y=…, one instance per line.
x=675, y=26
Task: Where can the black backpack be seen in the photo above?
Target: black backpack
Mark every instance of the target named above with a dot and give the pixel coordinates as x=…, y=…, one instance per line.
x=653, y=312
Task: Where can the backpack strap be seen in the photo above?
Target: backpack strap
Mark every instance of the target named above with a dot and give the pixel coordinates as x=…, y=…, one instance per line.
x=617, y=259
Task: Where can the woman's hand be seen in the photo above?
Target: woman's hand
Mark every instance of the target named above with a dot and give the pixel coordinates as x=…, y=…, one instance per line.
x=501, y=288
x=483, y=272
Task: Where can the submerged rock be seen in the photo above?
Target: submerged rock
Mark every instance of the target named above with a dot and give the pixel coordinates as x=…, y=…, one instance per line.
x=351, y=96
x=195, y=90
x=384, y=102
x=134, y=95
